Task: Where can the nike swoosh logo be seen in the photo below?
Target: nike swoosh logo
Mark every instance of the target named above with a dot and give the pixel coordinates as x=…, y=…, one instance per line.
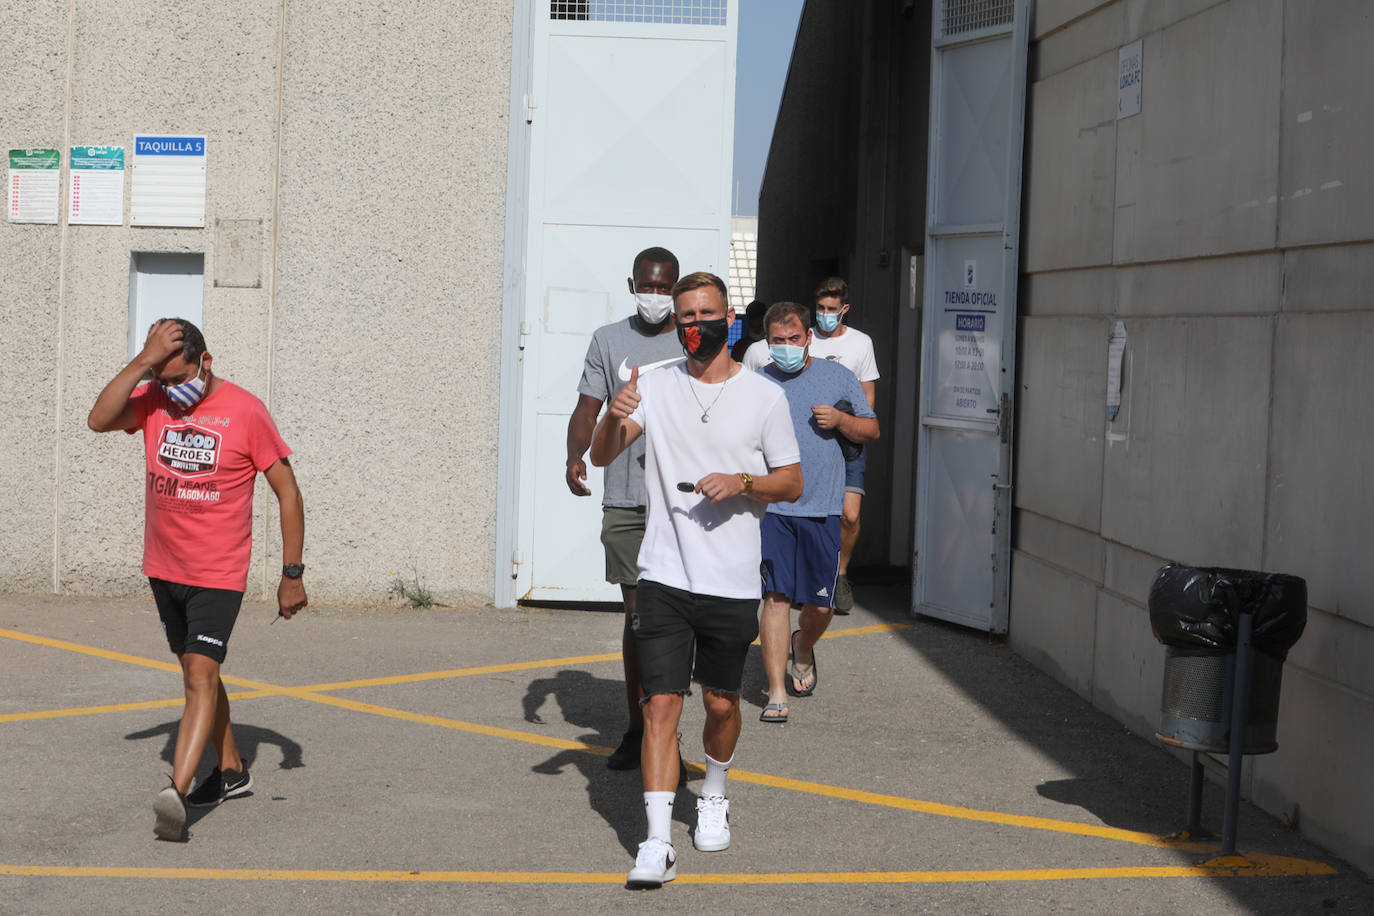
x=624, y=370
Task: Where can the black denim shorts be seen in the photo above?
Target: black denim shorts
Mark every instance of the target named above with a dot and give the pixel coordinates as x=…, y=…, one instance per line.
x=683, y=636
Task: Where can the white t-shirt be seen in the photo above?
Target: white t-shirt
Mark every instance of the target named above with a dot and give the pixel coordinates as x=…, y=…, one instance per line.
x=853, y=349
x=689, y=542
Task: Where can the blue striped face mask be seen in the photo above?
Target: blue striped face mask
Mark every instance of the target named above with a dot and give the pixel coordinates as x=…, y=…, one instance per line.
x=187, y=394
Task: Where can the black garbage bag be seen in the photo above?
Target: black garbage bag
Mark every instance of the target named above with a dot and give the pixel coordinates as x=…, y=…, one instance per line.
x=1199, y=608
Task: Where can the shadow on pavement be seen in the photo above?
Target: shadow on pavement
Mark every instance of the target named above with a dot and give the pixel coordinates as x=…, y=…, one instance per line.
x=1119, y=777
x=590, y=702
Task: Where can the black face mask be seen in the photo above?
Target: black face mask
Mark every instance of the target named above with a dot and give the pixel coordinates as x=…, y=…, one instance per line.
x=702, y=340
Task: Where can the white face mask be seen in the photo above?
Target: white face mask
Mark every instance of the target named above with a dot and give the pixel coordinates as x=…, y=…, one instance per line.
x=653, y=307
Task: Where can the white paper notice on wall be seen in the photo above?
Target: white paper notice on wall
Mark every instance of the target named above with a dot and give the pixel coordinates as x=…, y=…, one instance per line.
x=168, y=187
x=95, y=186
x=1130, y=77
x=1116, y=348
x=34, y=185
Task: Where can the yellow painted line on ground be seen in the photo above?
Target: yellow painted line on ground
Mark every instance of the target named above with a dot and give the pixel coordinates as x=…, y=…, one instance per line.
x=122, y=657
x=464, y=672
x=1258, y=867
x=120, y=707
x=857, y=631
x=968, y=814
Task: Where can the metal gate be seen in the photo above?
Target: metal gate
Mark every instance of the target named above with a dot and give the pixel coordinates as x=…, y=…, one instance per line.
x=630, y=118
x=973, y=207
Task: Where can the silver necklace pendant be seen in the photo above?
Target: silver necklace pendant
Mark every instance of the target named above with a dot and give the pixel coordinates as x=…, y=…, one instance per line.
x=706, y=418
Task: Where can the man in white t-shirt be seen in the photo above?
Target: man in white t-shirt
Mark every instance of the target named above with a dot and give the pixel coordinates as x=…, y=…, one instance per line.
x=853, y=349
x=719, y=447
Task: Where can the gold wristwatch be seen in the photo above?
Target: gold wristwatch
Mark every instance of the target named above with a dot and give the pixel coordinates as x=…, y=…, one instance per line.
x=748, y=481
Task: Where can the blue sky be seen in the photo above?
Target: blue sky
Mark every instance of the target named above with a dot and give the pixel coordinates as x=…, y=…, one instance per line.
x=766, y=31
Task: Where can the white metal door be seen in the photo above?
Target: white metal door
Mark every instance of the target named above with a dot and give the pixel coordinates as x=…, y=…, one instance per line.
x=973, y=207
x=631, y=122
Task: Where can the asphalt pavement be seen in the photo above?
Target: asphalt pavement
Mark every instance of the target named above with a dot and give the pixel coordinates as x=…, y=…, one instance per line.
x=453, y=760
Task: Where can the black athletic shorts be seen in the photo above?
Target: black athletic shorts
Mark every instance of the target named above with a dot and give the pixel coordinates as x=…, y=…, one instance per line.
x=672, y=625
x=197, y=620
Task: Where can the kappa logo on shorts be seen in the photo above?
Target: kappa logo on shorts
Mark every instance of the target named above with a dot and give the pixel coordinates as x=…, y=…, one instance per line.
x=210, y=639
x=189, y=451
x=634, y=621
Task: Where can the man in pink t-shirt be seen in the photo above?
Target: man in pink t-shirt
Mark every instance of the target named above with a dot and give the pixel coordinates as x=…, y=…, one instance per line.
x=205, y=440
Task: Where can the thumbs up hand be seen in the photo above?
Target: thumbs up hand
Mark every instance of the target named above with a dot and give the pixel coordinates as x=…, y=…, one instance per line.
x=627, y=399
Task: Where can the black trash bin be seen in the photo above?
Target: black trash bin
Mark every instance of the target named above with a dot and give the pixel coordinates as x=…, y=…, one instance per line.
x=1195, y=612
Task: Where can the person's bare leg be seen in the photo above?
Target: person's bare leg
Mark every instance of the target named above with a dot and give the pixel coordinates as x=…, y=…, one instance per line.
x=774, y=632
x=849, y=528
x=812, y=622
x=658, y=757
x=222, y=735
x=720, y=734
x=629, y=653
x=200, y=675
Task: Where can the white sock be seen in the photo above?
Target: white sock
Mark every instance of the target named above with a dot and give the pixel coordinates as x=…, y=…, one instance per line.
x=659, y=807
x=716, y=772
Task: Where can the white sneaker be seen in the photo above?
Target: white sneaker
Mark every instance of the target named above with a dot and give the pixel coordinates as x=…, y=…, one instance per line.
x=655, y=865
x=713, y=824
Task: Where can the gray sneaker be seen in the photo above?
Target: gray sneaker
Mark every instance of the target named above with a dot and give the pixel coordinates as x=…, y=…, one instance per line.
x=170, y=808
x=844, y=596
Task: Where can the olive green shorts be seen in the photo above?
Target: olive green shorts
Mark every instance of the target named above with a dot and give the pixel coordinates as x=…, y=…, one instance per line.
x=622, y=530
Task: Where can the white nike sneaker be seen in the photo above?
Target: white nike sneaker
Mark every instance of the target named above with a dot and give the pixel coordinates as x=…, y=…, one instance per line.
x=655, y=865
x=713, y=824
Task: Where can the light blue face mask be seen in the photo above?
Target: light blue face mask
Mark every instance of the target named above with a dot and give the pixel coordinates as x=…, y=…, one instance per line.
x=188, y=393
x=787, y=357
x=827, y=321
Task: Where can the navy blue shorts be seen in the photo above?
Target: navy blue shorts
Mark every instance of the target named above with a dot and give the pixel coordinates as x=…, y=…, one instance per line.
x=680, y=635
x=801, y=557
x=195, y=619
x=854, y=473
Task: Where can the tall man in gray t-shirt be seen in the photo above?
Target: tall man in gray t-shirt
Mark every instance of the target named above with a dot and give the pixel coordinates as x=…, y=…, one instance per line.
x=645, y=339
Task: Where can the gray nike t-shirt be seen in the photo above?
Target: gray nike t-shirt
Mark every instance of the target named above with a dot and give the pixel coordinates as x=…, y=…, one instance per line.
x=615, y=349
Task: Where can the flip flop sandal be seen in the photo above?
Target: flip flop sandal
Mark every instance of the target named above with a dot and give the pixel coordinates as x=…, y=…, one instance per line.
x=795, y=676
x=778, y=708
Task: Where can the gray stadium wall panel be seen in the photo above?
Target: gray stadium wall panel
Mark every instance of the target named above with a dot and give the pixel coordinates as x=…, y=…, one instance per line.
x=1063, y=545
x=1239, y=284
x=1128, y=572
x=1326, y=188
x=1184, y=469
x=1191, y=182
x=1089, y=291
x=1337, y=278
x=1128, y=664
x=1320, y=497
x=1060, y=422
x=1319, y=777
x=1052, y=626
x=1070, y=157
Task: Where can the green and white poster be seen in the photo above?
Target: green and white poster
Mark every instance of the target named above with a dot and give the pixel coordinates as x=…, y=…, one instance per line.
x=95, y=189
x=34, y=175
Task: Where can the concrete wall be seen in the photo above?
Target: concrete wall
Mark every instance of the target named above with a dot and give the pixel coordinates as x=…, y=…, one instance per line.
x=1229, y=226
x=380, y=188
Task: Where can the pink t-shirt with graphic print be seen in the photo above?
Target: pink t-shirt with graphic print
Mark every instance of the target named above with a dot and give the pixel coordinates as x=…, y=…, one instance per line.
x=198, y=519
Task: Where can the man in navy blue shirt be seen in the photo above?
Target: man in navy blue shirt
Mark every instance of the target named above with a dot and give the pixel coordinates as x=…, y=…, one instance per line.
x=801, y=539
